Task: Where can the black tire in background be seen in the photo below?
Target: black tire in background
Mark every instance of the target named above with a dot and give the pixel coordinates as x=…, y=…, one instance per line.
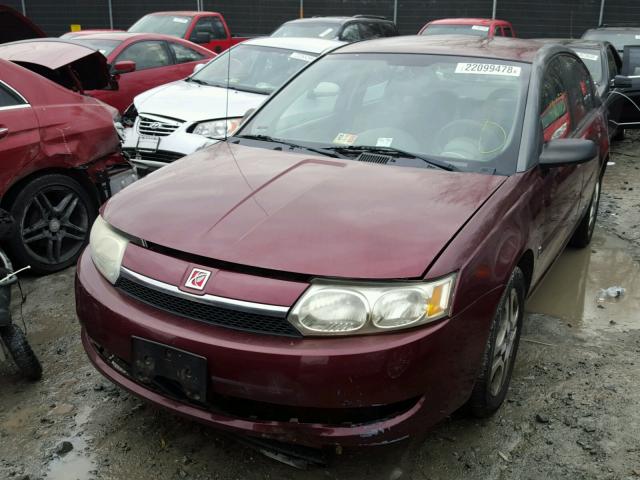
x=53, y=215
x=20, y=350
x=493, y=381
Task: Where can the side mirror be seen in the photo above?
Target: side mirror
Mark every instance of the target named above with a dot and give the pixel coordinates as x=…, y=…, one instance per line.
x=622, y=81
x=198, y=67
x=567, y=151
x=124, y=66
x=200, y=37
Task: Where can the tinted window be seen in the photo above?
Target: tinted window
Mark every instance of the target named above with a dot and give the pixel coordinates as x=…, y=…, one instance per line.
x=149, y=54
x=351, y=33
x=388, y=29
x=8, y=98
x=175, y=25
x=308, y=29
x=506, y=31
x=593, y=61
x=476, y=30
x=105, y=47
x=184, y=54
x=369, y=30
x=211, y=25
x=554, y=107
x=580, y=87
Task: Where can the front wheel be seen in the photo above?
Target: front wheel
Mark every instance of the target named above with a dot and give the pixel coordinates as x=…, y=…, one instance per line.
x=21, y=352
x=493, y=381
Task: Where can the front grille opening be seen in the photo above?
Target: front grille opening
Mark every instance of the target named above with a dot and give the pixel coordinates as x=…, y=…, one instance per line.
x=266, y=412
x=152, y=127
x=214, y=315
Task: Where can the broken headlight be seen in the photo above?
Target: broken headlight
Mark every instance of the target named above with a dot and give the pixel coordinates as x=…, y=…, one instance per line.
x=329, y=308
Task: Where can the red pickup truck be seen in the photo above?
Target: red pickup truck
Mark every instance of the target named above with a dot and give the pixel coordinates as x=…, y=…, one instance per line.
x=481, y=27
x=208, y=29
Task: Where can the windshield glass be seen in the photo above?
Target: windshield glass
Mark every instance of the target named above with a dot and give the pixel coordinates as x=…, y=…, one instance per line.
x=175, y=25
x=617, y=39
x=466, y=112
x=326, y=30
x=591, y=58
x=477, y=30
x=105, y=47
x=253, y=68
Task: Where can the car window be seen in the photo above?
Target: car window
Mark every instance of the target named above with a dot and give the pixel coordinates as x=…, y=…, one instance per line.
x=554, y=108
x=618, y=38
x=184, y=54
x=175, y=25
x=388, y=29
x=369, y=30
x=211, y=25
x=351, y=33
x=614, y=68
x=105, y=47
x=506, y=31
x=308, y=29
x=450, y=29
x=8, y=98
x=579, y=86
x=461, y=110
x=148, y=54
x=592, y=59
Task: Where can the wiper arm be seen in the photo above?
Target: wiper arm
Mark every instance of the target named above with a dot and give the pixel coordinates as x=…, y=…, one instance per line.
x=392, y=152
x=267, y=138
x=198, y=81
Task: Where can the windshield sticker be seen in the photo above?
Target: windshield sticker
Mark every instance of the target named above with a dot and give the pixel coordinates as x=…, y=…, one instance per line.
x=301, y=56
x=488, y=69
x=588, y=56
x=326, y=32
x=384, y=142
x=180, y=20
x=637, y=37
x=345, y=139
x=481, y=28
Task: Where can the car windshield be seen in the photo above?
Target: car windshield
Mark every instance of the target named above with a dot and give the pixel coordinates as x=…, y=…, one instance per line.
x=463, y=112
x=591, y=58
x=326, y=30
x=442, y=29
x=617, y=39
x=105, y=47
x=175, y=25
x=253, y=68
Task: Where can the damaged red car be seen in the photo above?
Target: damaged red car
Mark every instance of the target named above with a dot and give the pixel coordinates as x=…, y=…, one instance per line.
x=60, y=150
x=352, y=265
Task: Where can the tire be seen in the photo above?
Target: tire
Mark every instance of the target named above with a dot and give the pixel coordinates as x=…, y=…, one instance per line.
x=583, y=234
x=492, y=383
x=53, y=215
x=21, y=352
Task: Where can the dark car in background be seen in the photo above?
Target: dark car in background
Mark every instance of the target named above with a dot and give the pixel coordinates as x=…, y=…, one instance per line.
x=352, y=265
x=344, y=29
x=617, y=36
x=142, y=61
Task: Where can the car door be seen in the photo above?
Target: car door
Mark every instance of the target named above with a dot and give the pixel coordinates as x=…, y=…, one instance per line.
x=211, y=33
x=153, y=62
x=560, y=186
x=19, y=134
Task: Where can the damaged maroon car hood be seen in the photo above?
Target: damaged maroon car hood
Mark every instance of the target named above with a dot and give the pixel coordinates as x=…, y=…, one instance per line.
x=302, y=214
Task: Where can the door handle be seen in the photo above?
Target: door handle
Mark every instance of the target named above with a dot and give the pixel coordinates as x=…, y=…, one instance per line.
x=3, y=132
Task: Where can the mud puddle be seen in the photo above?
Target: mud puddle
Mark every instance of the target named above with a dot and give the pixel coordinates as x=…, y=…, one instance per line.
x=572, y=288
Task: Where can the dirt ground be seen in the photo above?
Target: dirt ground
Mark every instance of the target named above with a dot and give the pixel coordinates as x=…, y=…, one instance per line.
x=572, y=411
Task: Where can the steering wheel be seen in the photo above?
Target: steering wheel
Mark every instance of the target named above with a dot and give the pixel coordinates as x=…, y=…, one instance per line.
x=467, y=139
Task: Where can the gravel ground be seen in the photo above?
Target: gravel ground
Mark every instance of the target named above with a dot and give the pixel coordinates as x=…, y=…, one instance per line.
x=572, y=411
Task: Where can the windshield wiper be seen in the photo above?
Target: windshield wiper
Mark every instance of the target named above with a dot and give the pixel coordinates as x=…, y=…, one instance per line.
x=392, y=152
x=198, y=81
x=267, y=138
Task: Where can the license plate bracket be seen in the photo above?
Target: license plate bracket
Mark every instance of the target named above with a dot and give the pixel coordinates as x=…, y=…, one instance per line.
x=156, y=362
x=148, y=144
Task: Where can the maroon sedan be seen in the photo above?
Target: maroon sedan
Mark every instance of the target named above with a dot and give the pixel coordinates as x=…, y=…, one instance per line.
x=142, y=61
x=352, y=265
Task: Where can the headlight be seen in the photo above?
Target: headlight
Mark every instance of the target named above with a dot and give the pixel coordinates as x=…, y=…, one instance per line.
x=218, y=129
x=107, y=249
x=348, y=309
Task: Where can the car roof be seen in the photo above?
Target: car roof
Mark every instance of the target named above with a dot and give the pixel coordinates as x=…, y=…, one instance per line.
x=615, y=29
x=310, y=45
x=575, y=42
x=338, y=19
x=185, y=13
x=515, y=49
x=466, y=21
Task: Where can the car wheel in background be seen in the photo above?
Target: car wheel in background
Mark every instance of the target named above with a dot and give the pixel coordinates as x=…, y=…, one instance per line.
x=493, y=381
x=582, y=236
x=21, y=352
x=53, y=215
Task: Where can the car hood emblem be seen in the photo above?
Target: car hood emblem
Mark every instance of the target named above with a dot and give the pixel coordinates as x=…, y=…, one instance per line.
x=197, y=279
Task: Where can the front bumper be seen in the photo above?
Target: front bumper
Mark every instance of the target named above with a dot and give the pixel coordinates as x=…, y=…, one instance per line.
x=349, y=391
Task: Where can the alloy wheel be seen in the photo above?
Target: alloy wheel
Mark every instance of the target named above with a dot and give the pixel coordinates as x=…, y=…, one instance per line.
x=505, y=341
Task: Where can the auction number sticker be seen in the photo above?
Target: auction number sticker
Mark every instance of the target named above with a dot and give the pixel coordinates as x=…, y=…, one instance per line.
x=345, y=139
x=301, y=56
x=180, y=20
x=488, y=69
x=481, y=28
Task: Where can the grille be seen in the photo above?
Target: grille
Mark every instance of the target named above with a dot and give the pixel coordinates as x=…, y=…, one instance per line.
x=222, y=317
x=157, y=156
x=154, y=127
x=373, y=158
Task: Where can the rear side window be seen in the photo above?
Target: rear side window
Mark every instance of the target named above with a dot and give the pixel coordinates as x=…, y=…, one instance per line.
x=151, y=54
x=388, y=29
x=580, y=87
x=554, y=107
x=184, y=54
x=370, y=30
x=506, y=31
x=351, y=33
x=211, y=25
x=8, y=98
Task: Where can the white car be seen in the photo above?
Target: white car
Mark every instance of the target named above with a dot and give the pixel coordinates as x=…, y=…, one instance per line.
x=176, y=119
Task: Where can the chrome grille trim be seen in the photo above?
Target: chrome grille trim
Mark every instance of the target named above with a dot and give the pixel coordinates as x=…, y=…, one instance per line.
x=156, y=126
